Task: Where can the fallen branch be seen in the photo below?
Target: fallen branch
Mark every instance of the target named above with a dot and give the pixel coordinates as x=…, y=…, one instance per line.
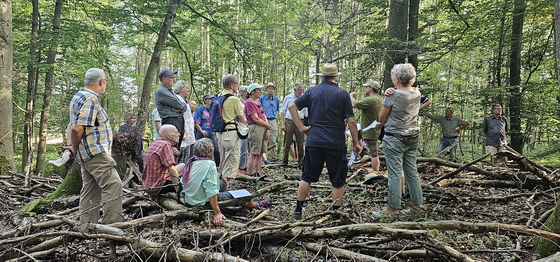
x=341, y=253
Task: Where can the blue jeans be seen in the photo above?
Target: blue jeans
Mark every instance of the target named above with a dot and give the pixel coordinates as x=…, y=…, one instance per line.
x=444, y=143
x=401, y=159
x=212, y=136
x=243, y=156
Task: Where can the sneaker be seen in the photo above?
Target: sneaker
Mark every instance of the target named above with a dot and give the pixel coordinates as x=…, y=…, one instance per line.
x=255, y=175
x=264, y=202
x=266, y=162
x=241, y=172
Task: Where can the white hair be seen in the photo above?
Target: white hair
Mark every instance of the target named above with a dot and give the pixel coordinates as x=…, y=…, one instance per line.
x=93, y=76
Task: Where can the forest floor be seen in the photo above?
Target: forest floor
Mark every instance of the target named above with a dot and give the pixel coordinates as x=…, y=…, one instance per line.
x=508, y=196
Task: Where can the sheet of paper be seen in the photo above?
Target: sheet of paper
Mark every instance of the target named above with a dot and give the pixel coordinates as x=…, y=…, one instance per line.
x=370, y=126
x=240, y=193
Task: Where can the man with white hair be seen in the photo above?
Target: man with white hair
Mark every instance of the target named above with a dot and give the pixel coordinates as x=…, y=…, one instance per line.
x=371, y=106
x=90, y=138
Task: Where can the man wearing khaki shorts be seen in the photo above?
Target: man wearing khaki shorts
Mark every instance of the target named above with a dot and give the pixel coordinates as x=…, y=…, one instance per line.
x=494, y=129
x=371, y=106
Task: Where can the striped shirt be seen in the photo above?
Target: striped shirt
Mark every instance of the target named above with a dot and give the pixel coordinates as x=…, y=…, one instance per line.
x=85, y=110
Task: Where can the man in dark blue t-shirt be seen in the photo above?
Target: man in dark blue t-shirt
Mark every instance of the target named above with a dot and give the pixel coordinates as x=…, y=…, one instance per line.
x=330, y=109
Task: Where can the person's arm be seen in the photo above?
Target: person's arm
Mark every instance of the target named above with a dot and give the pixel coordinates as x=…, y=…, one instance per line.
x=383, y=117
x=462, y=127
x=259, y=121
x=202, y=131
x=430, y=117
x=76, y=136
x=293, y=111
x=158, y=125
x=218, y=216
x=423, y=106
x=353, y=96
x=171, y=100
x=390, y=91
x=354, y=133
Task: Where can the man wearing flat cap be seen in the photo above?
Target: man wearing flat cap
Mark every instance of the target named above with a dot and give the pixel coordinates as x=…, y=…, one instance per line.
x=271, y=106
x=371, y=107
x=169, y=107
x=330, y=109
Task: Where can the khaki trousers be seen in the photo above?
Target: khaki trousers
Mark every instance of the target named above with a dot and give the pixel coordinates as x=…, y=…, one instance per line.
x=228, y=143
x=101, y=186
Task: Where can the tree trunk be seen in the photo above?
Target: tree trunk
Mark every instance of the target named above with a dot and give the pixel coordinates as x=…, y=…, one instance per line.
x=397, y=33
x=6, y=49
x=545, y=247
x=515, y=76
x=557, y=38
x=154, y=65
x=51, y=59
x=31, y=90
x=412, y=56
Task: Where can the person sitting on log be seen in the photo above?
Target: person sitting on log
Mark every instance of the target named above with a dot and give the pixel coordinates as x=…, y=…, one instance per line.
x=202, y=183
x=160, y=168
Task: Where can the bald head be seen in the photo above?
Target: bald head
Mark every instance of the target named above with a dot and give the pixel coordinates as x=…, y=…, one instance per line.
x=166, y=130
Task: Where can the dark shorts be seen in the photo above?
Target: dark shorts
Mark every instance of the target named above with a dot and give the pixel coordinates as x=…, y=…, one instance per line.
x=167, y=189
x=314, y=161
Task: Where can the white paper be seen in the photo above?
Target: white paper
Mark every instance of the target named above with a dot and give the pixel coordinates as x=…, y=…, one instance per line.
x=62, y=160
x=370, y=126
x=351, y=160
x=240, y=193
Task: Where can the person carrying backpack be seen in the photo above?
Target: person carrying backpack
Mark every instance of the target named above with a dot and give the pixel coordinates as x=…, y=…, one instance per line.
x=228, y=140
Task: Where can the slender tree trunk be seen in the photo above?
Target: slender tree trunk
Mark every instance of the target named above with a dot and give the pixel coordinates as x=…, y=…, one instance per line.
x=31, y=89
x=413, y=32
x=154, y=64
x=515, y=76
x=51, y=60
x=6, y=54
x=557, y=38
x=397, y=34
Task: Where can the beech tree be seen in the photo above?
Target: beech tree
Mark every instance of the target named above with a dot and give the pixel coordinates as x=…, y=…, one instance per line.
x=6, y=45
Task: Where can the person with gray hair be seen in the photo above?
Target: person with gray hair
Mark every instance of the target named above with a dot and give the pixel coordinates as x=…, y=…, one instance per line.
x=399, y=116
x=90, y=139
x=169, y=106
x=290, y=129
x=182, y=90
x=371, y=106
x=202, y=184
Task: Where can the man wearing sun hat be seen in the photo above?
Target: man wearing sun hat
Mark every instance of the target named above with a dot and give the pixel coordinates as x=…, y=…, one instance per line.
x=371, y=106
x=271, y=106
x=330, y=109
x=169, y=107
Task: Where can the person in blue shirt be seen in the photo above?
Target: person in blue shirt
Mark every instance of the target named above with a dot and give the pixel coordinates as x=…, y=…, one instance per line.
x=271, y=105
x=203, y=125
x=330, y=111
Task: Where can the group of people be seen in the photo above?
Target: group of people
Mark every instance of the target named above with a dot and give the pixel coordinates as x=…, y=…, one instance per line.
x=188, y=152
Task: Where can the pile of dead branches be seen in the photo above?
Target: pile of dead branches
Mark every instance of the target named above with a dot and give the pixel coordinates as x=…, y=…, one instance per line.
x=472, y=212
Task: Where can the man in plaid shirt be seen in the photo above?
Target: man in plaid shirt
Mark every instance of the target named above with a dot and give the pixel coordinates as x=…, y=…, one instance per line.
x=91, y=145
x=159, y=163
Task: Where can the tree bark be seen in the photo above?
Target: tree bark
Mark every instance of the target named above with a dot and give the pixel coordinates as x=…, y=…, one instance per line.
x=546, y=247
x=6, y=48
x=412, y=53
x=515, y=76
x=51, y=59
x=31, y=90
x=397, y=33
x=154, y=64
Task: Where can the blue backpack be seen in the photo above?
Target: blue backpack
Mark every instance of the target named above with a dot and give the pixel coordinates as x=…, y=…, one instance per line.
x=217, y=120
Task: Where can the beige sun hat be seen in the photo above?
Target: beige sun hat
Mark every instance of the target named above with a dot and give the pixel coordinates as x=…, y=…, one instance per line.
x=330, y=69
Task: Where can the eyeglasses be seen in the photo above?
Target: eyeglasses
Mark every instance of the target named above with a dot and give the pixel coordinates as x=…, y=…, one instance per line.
x=171, y=77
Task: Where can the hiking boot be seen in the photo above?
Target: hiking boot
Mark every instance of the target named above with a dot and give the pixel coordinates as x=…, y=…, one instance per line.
x=263, y=203
x=298, y=214
x=266, y=162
